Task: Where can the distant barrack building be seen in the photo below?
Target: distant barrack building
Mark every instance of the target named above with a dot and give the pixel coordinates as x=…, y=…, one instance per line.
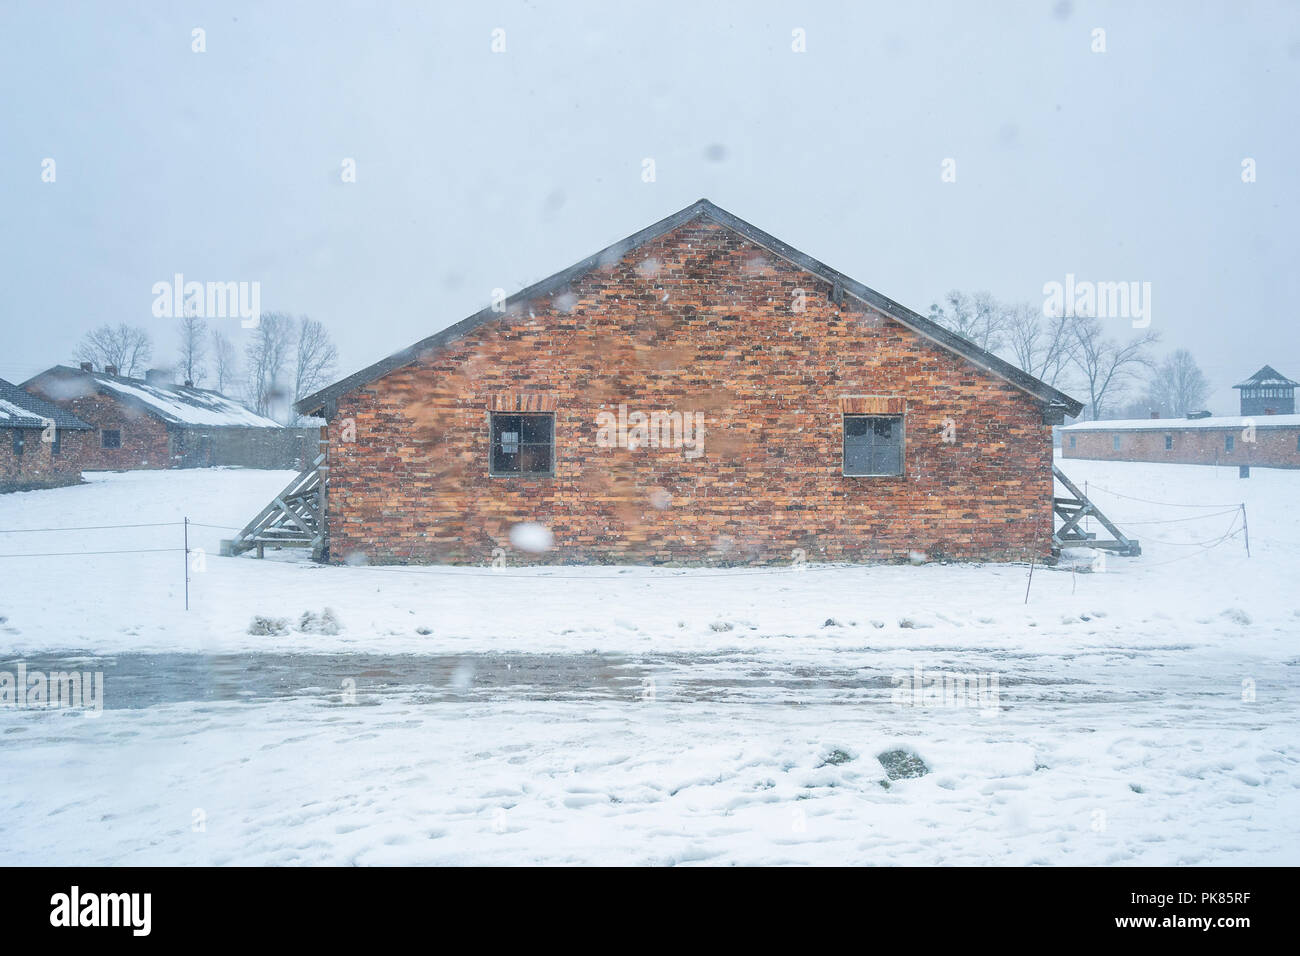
x=41, y=444
x=152, y=423
x=1266, y=434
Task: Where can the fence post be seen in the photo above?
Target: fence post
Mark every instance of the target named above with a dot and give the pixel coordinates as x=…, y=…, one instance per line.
x=187, y=562
x=1245, y=527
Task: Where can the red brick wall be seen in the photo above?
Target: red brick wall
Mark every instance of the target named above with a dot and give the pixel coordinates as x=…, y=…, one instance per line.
x=37, y=464
x=73, y=449
x=144, y=438
x=700, y=319
x=1200, y=446
x=33, y=463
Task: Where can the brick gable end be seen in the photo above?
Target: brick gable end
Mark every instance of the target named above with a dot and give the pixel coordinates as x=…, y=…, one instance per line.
x=703, y=320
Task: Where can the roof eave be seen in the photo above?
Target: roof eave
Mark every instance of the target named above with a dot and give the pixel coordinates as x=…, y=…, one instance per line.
x=38, y=424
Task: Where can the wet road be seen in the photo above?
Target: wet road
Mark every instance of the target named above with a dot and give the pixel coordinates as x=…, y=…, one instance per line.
x=134, y=681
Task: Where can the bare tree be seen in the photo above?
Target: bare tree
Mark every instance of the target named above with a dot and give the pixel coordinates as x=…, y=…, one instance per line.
x=224, y=360
x=316, y=358
x=267, y=355
x=194, y=349
x=1134, y=408
x=1108, y=366
x=1042, y=345
x=1178, y=385
x=128, y=347
x=978, y=317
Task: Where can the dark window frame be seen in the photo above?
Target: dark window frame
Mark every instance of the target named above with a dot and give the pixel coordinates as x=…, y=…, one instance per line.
x=1072, y=441
x=1169, y=443
x=844, y=446
x=1229, y=442
x=1114, y=443
x=519, y=445
x=103, y=438
x=20, y=441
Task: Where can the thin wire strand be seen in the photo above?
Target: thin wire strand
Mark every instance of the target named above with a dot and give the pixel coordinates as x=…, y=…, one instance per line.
x=1217, y=514
x=1148, y=501
x=1184, y=557
x=96, y=527
x=73, y=554
x=1209, y=542
x=109, y=527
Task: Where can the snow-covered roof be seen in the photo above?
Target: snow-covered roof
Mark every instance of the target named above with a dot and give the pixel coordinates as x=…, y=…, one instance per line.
x=174, y=404
x=1267, y=377
x=21, y=409
x=1182, y=424
x=188, y=406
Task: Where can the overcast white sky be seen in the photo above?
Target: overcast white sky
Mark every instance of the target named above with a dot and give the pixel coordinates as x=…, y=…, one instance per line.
x=477, y=170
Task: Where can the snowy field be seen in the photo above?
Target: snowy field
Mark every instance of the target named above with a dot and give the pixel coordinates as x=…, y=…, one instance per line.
x=1145, y=710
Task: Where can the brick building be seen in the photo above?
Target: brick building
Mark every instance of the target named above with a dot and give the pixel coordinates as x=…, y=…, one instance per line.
x=699, y=392
x=41, y=445
x=1265, y=434
x=1266, y=441
x=151, y=423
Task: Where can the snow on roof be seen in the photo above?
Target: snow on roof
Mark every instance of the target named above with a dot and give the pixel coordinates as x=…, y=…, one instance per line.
x=174, y=404
x=182, y=405
x=1265, y=377
x=12, y=415
x=1182, y=424
x=22, y=409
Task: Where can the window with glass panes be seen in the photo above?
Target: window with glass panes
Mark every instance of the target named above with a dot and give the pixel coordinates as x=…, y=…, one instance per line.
x=523, y=444
x=873, y=445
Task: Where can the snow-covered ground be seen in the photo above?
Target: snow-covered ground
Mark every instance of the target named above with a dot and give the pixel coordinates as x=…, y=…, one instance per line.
x=1145, y=711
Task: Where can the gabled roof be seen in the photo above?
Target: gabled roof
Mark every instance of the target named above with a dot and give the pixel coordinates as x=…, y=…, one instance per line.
x=174, y=404
x=21, y=409
x=707, y=210
x=1266, y=377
